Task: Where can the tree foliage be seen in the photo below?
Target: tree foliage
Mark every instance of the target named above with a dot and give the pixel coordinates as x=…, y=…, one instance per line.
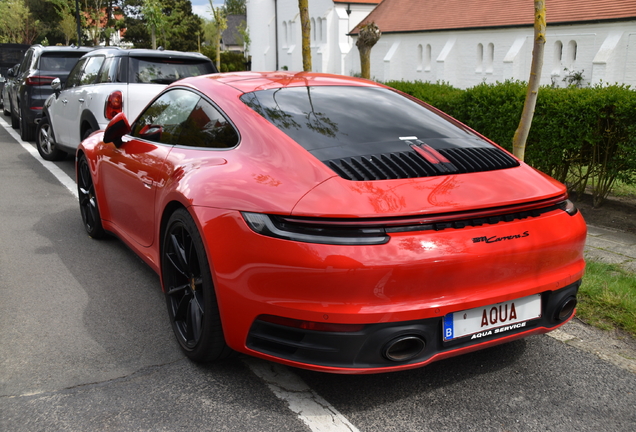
x=234, y=7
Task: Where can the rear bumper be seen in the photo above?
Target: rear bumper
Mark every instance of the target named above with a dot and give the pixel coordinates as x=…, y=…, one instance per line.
x=365, y=350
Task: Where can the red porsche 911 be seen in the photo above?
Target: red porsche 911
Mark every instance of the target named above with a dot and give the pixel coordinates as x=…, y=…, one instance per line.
x=331, y=223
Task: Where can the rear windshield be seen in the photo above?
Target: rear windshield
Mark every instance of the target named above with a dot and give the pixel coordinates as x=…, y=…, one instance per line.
x=63, y=61
x=339, y=121
x=166, y=71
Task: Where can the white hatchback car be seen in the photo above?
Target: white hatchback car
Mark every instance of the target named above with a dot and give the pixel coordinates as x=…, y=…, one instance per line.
x=104, y=83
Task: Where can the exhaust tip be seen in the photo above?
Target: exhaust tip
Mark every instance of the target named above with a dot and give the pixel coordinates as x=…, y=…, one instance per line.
x=566, y=308
x=404, y=348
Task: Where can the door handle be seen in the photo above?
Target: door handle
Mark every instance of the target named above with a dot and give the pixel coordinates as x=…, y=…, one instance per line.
x=64, y=101
x=81, y=100
x=147, y=181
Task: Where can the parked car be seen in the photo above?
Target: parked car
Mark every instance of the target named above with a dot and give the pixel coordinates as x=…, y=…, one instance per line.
x=32, y=83
x=104, y=83
x=3, y=80
x=331, y=223
x=6, y=102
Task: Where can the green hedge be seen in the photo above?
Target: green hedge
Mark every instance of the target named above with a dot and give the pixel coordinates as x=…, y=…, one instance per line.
x=581, y=136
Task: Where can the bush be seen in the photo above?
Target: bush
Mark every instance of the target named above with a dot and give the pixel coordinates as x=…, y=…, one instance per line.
x=581, y=136
x=230, y=61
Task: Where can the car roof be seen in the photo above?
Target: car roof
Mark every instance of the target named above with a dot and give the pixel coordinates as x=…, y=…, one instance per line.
x=254, y=81
x=58, y=48
x=142, y=52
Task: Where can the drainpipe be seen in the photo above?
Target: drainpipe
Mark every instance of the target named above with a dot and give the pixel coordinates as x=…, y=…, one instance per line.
x=276, y=29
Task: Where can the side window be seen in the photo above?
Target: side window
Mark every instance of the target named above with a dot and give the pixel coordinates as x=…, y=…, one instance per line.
x=26, y=61
x=107, y=74
x=74, y=76
x=206, y=127
x=164, y=120
x=91, y=69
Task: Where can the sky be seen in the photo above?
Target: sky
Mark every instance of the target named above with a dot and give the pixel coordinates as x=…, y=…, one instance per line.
x=202, y=7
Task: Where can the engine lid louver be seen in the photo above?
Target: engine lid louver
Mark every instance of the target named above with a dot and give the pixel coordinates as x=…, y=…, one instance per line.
x=421, y=162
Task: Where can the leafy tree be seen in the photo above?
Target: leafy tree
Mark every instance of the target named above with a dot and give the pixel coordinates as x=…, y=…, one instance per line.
x=156, y=21
x=234, y=7
x=521, y=134
x=220, y=24
x=17, y=23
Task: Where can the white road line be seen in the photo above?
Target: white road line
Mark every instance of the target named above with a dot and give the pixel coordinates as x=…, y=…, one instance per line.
x=68, y=182
x=311, y=408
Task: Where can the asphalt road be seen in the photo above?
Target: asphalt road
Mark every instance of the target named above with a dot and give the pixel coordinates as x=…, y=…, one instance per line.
x=85, y=344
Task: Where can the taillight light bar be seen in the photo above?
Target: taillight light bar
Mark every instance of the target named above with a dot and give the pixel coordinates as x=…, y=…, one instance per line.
x=39, y=80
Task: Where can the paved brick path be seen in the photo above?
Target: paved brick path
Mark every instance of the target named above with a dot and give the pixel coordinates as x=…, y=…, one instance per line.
x=613, y=247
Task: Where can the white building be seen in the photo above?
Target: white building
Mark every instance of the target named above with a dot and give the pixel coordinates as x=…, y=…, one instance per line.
x=461, y=42
x=276, y=23
x=466, y=42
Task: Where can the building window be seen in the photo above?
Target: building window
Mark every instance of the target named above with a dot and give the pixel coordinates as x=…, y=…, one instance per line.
x=480, y=58
x=313, y=29
x=427, y=63
x=558, y=58
x=320, y=24
x=490, y=57
x=572, y=50
x=420, y=58
x=285, y=35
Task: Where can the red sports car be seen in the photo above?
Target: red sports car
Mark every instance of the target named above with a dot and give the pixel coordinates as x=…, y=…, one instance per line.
x=331, y=223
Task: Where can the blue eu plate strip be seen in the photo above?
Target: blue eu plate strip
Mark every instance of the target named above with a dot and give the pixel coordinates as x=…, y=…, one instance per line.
x=448, y=327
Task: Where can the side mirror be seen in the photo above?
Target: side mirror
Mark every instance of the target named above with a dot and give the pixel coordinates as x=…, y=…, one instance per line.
x=56, y=85
x=117, y=128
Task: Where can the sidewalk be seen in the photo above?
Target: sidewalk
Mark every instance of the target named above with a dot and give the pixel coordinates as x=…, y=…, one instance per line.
x=612, y=247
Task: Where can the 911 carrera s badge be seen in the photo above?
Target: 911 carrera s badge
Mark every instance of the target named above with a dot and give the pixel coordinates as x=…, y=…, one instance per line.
x=495, y=239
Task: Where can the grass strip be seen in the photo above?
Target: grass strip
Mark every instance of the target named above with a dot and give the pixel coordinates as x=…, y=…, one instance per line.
x=607, y=297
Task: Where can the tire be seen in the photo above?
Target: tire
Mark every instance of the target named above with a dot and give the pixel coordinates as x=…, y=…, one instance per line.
x=45, y=141
x=5, y=109
x=88, y=201
x=27, y=132
x=87, y=133
x=15, y=121
x=189, y=290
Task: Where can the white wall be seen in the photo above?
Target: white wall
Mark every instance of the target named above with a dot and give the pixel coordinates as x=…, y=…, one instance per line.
x=329, y=41
x=604, y=52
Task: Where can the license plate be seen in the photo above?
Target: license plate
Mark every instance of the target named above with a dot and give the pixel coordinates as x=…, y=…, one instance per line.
x=491, y=320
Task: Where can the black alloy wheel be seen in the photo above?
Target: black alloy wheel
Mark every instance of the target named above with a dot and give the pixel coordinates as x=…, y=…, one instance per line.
x=45, y=141
x=88, y=201
x=189, y=290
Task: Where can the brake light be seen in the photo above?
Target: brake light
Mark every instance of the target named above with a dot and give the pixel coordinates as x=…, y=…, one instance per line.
x=39, y=80
x=114, y=105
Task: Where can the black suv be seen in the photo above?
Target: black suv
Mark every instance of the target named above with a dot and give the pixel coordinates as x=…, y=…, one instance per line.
x=32, y=83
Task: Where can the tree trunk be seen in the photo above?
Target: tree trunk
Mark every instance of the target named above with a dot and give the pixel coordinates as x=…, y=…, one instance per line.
x=305, y=27
x=521, y=134
x=365, y=61
x=368, y=36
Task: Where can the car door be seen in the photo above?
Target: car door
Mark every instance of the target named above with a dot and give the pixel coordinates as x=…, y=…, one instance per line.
x=78, y=99
x=59, y=111
x=132, y=173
